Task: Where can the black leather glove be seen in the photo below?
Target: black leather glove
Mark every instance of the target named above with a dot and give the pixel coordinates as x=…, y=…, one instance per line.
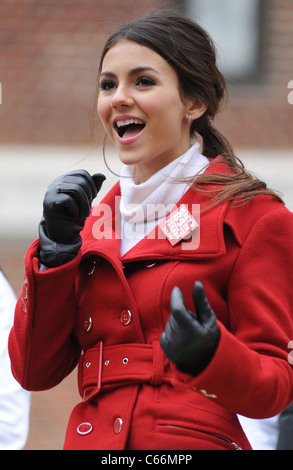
x=190, y=340
x=66, y=206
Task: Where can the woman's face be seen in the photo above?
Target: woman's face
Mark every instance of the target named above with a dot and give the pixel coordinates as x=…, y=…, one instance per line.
x=141, y=108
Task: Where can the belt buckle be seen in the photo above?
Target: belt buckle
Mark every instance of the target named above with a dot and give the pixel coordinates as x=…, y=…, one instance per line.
x=97, y=388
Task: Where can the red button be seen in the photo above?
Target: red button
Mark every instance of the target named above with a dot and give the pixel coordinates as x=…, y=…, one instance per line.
x=24, y=292
x=125, y=317
x=87, y=323
x=84, y=428
x=23, y=306
x=118, y=425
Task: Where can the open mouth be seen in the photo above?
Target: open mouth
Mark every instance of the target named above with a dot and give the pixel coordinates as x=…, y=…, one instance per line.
x=129, y=127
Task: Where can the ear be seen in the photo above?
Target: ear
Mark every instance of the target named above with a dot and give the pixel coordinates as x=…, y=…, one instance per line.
x=195, y=109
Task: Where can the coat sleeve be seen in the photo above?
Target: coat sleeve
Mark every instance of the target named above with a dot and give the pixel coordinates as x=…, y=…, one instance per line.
x=250, y=373
x=42, y=345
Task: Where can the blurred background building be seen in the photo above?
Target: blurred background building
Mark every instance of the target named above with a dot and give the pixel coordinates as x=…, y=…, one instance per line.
x=49, y=53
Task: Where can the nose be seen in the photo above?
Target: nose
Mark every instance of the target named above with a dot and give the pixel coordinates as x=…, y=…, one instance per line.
x=122, y=98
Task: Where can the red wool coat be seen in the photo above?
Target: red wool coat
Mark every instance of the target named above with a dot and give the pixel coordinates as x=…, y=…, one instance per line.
x=107, y=313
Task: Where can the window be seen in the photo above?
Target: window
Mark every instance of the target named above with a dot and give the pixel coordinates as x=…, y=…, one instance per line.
x=234, y=25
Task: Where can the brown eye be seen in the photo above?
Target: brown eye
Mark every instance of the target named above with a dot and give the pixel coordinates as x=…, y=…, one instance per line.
x=107, y=85
x=145, y=81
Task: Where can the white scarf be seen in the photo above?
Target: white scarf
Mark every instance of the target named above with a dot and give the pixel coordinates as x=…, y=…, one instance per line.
x=144, y=205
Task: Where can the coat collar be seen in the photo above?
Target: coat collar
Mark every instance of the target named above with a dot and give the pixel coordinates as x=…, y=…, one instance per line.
x=103, y=239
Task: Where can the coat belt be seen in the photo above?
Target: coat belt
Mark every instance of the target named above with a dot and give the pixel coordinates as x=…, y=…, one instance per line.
x=103, y=368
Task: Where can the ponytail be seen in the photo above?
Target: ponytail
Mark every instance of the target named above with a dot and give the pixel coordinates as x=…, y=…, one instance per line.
x=214, y=143
x=238, y=186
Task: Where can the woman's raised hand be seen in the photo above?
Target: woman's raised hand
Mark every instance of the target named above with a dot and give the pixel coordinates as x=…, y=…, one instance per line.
x=66, y=206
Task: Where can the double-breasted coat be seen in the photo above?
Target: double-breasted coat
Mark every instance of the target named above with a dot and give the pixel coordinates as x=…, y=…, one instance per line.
x=106, y=313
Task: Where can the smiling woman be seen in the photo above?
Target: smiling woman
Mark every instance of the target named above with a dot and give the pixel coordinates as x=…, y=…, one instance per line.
x=190, y=56
x=179, y=326
x=137, y=86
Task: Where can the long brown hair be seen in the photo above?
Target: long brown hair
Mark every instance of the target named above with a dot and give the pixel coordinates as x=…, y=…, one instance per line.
x=188, y=48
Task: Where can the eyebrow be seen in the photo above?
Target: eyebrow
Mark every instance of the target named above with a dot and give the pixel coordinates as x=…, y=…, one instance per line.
x=131, y=72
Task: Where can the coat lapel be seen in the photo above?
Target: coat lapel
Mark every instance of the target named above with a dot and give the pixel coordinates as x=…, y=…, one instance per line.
x=206, y=241
x=102, y=231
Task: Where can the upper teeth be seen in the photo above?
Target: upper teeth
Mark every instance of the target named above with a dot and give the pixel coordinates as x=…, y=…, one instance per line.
x=127, y=122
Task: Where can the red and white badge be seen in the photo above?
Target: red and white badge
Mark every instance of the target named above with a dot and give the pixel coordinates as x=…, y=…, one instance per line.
x=178, y=225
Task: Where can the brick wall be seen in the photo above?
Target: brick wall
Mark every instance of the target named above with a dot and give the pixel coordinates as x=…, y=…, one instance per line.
x=49, y=52
x=260, y=115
